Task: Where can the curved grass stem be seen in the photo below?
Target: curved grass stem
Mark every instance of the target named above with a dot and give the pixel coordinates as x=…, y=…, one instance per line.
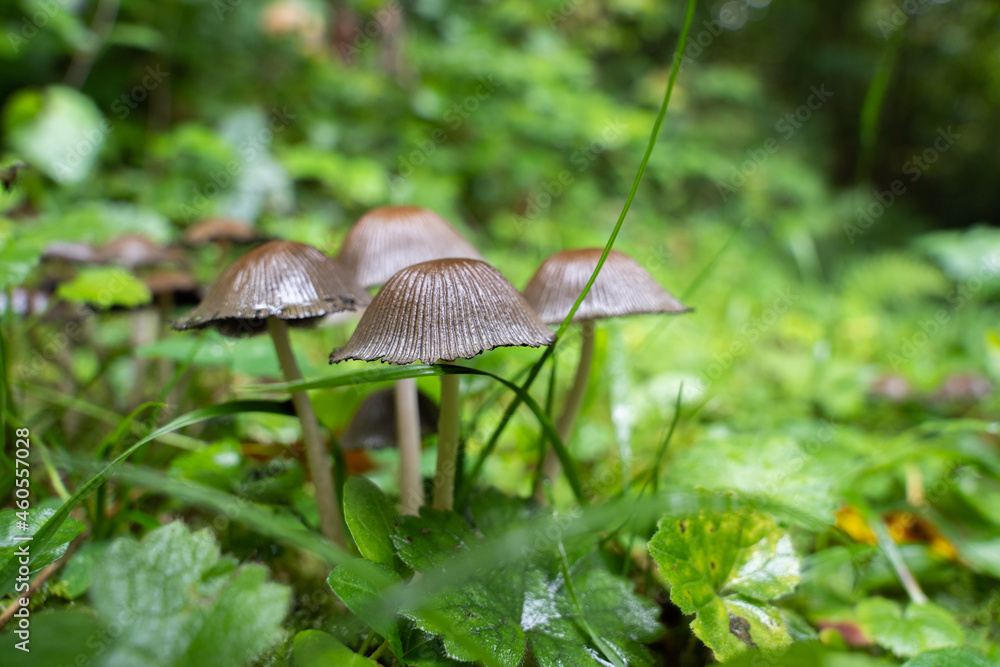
x=470, y=479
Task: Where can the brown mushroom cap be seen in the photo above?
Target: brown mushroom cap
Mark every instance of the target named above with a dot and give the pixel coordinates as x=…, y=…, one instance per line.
x=622, y=287
x=374, y=424
x=390, y=238
x=442, y=310
x=220, y=229
x=179, y=286
x=70, y=252
x=133, y=250
x=284, y=279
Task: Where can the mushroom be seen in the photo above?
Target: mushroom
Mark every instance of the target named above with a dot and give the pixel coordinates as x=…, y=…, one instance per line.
x=622, y=287
x=390, y=238
x=382, y=242
x=133, y=251
x=169, y=288
x=375, y=426
x=64, y=251
x=374, y=423
x=224, y=232
x=443, y=310
x=274, y=284
x=219, y=235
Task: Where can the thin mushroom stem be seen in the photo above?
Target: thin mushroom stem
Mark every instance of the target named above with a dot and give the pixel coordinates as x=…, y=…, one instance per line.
x=447, y=458
x=317, y=455
x=411, y=492
x=571, y=408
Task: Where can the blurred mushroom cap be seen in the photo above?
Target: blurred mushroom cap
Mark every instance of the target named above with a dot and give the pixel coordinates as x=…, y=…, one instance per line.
x=390, y=238
x=891, y=387
x=220, y=229
x=283, y=279
x=442, y=310
x=622, y=287
x=374, y=424
x=963, y=388
x=133, y=250
x=181, y=286
x=70, y=252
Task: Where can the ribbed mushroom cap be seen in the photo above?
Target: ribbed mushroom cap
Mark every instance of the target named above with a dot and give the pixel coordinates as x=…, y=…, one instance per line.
x=284, y=279
x=133, y=250
x=622, y=287
x=220, y=229
x=390, y=238
x=442, y=310
x=374, y=424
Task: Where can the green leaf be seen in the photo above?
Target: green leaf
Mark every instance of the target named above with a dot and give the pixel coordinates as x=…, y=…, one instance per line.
x=18, y=256
x=359, y=584
x=184, y=604
x=776, y=472
x=81, y=637
x=75, y=579
x=41, y=554
x=60, y=131
x=217, y=465
x=918, y=628
x=314, y=648
x=950, y=657
x=607, y=603
x=805, y=654
x=104, y=287
x=506, y=608
x=726, y=568
x=478, y=617
x=370, y=516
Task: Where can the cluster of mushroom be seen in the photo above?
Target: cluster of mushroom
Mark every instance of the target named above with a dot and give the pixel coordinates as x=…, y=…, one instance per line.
x=439, y=301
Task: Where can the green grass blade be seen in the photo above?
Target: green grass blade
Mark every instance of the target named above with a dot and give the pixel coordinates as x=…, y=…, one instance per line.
x=45, y=533
x=494, y=439
x=871, y=108
x=283, y=528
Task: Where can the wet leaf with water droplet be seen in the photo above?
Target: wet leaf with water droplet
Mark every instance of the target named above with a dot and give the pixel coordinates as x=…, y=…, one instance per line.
x=726, y=568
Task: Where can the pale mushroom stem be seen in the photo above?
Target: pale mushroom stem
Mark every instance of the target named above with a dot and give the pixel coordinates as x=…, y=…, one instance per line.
x=317, y=455
x=447, y=456
x=574, y=401
x=411, y=492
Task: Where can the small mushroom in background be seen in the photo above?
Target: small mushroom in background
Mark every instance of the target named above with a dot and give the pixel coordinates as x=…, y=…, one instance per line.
x=962, y=391
x=278, y=283
x=390, y=238
x=61, y=260
x=223, y=232
x=63, y=251
x=374, y=426
x=134, y=251
x=382, y=242
x=444, y=310
x=24, y=302
x=891, y=387
x=622, y=287
x=171, y=288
